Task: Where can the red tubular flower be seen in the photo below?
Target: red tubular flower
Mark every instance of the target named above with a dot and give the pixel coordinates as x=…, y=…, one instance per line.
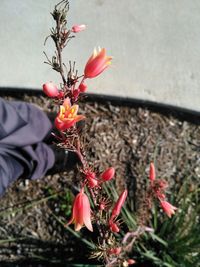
x=81, y=214
x=97, y=63
x=78, y=28
x=168, y=208
x=67, y=116
x=118, y=205
x=50, y=89
x=108, y=174
x=152, y=172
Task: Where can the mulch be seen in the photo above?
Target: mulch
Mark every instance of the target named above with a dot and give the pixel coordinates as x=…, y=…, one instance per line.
x=125, y=136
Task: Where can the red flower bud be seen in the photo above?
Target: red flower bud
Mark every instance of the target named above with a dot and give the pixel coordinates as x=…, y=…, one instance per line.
x=78, y=28
x=82, y=87
x=76, y=93
x=152, y=173
x=131, y=261
x=114, y=251
x=50, y=89
x=108, y=174
x=92, y=181
x=113, y=227
x=120, y=202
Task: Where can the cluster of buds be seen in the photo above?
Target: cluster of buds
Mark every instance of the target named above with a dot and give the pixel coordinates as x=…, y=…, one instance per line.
x=67, y=116
x=157, y=189
x=81, y=211
x=117, y=258
x=94, y=184
x=93, y=180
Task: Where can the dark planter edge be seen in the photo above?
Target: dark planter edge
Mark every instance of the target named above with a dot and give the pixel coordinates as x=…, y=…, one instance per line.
x=165, y=109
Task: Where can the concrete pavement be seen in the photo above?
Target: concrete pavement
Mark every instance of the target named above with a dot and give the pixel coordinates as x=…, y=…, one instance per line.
x=155, y=45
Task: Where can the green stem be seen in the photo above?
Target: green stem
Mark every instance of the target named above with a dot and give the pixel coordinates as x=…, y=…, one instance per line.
x=5, y=212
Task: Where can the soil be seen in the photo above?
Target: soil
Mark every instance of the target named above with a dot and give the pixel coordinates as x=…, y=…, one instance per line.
x=127, y=136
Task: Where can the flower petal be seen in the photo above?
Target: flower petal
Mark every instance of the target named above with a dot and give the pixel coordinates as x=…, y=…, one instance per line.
x=87, y=214
x=67, y=103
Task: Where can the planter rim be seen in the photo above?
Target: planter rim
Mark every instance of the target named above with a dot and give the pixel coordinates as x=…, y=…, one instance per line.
x=180, y=112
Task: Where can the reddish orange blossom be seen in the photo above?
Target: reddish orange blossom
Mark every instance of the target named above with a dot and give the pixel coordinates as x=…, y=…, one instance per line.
x=168, y=208
x=67, y=116
x=97, y=63
x=81, y=214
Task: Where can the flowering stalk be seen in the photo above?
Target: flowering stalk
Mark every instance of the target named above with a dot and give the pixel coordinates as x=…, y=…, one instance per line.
x=157, y=191
x=66, y=122
x=66, y=98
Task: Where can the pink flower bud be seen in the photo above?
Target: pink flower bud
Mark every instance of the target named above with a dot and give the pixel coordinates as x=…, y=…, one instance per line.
x=108, y=174
x=50, y=89
x=120, y=202
x=131, y=261
x=78, y=28
x=102, y=206
x=152, y=173
x=82, y=87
